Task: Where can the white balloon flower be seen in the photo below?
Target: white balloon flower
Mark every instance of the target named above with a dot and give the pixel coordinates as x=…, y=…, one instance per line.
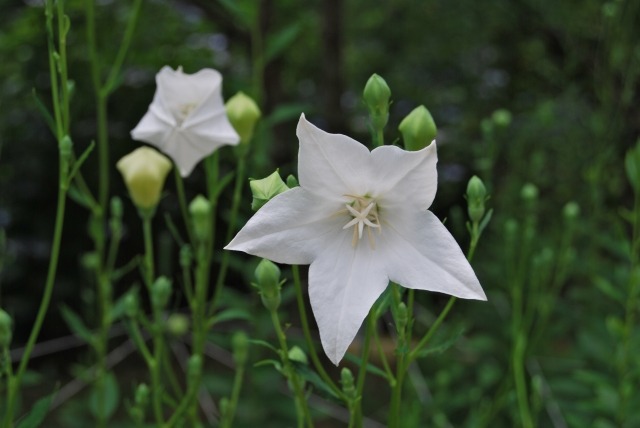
x=360, y=219
x=187, y=118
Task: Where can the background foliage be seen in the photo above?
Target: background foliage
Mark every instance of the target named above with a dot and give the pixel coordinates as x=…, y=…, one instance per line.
x=527, y=91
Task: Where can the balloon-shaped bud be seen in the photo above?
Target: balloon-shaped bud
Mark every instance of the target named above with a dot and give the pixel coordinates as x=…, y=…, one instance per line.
x=418, y=129
x=243, y=113
x=265, y=189
x=144, y=171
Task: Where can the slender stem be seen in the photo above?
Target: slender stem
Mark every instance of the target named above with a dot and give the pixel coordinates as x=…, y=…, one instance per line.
x=383, y=357
x=307, y=335
x=16, y=381
x=182, y=200
x=301, y=401
x=235, y=205
x=362, y=370
x=235, y=396
x=425, y=339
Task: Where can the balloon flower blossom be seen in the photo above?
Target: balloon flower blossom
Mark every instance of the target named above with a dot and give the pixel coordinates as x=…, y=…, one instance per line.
x=187, y=118
x=360, y=219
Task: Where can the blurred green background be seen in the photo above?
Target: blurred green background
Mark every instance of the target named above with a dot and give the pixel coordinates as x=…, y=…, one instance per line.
x=527, y=91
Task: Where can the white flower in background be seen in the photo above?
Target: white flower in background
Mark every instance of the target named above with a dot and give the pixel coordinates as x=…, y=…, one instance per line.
x=187, y=118
x=360, y=219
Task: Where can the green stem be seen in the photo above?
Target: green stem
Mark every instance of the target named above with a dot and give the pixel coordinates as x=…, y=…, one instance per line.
x=362, y=370
x=15, y=383
x=434, y=328
x=182, y=200
x=235, y=396
x=307, y=335
x=301, y=402
x=235, y=205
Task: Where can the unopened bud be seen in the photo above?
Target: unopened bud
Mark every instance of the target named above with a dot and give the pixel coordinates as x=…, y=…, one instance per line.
x=529, y=192
x=131, y=305
x=571, y=210
x=476, y=196
x=186, y=256
x=144, y=171
x=376, y=95
x=142, y=395
x=243, y=113
x=403, y=317
x=200, y=210
x=296, y=354
x=266, y=189
x=501, y=117
x=6, y=324
x=116, y=207
x=268, y=281
x=292, y=181
x=194, y=369
x=240, y=345
x=178, y=325
x=418, y=129
x=66, y=148
x=161, y=292
x=348, y=387
x=224, y=407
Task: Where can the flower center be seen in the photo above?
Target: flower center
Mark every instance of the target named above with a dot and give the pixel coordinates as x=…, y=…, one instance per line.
x=182, y=111
x=364, y=212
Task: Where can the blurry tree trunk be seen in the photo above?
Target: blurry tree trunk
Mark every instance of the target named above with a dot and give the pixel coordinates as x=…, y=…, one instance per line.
x=332, y=82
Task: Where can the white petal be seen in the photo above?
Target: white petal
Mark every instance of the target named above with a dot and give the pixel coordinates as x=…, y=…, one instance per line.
x=404, y=177
x=178, y=89
x=344, y=282
x=420, y=253
x=152, y=129
x=187, y=150
x=332, y=165
x=293, y=228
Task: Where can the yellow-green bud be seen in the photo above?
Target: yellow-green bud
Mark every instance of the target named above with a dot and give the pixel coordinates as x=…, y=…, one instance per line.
x=297, y=354
x=6, y=324
x=200, y=210
x=476, y=196
x=142, y=395
x=194, y=369
x=243, y=113
x=501, y=117
x=346, y=379
x=418, y=129
x=376, y=95
x=240, y=344
x=268, y=281
x=161, y=292
x=178, y=324
x=265, y=189
x=144, y=171
x=571, y=210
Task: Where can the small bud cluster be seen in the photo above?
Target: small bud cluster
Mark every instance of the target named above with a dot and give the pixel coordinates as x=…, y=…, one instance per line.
x=268, y=282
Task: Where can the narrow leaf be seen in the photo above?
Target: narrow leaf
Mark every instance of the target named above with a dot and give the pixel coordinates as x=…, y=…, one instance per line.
x=442, y=346
x=46, y=115
x=76, y=325
x=370, y=367
x=78, y=163
x=36, y=415
x=105, y=402
x=281, y=41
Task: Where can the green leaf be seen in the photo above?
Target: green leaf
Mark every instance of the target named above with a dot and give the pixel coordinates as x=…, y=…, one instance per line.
x=442, y=346
x=76, y=195
x=36, y=415
x=605, y=286
x=76, y=325
x=370, y=367
x=485, y=220
x=269, y=362
x=44, y=112
x=78, y=163
x=286, y=112
x=230, y=314
x=105, y=400
x=117, y=311
x=263, y=343
x=281, y=41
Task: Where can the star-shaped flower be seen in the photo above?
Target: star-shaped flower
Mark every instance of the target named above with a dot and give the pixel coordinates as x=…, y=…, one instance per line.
x=383, y=195
x=187, y=118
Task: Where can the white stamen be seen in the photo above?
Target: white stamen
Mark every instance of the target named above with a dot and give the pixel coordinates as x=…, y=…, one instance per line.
x=367, y=216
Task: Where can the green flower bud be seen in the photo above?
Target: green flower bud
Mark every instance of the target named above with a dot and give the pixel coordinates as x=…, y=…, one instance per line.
x=66, y=148
x=476, y=196
x=194, y=369
x=178, y=325
x=418, y=129
x=571, y=210
x=6, y=334
x=292, y=181
x=224, y=407
x=240, y=344
x=142, y=395
x=268, y=282
x=131, y=305
x=296, y=354
x=403, y=317
x=200, y=210
x=243, y=113
x=529, y=192
x=116, y=207
x=144, y=171
x=376, y=95
x=348, y=387
x=266, y=189
x=161, y=292
x=186, y=257
x=90, y=260
x=501, y=117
